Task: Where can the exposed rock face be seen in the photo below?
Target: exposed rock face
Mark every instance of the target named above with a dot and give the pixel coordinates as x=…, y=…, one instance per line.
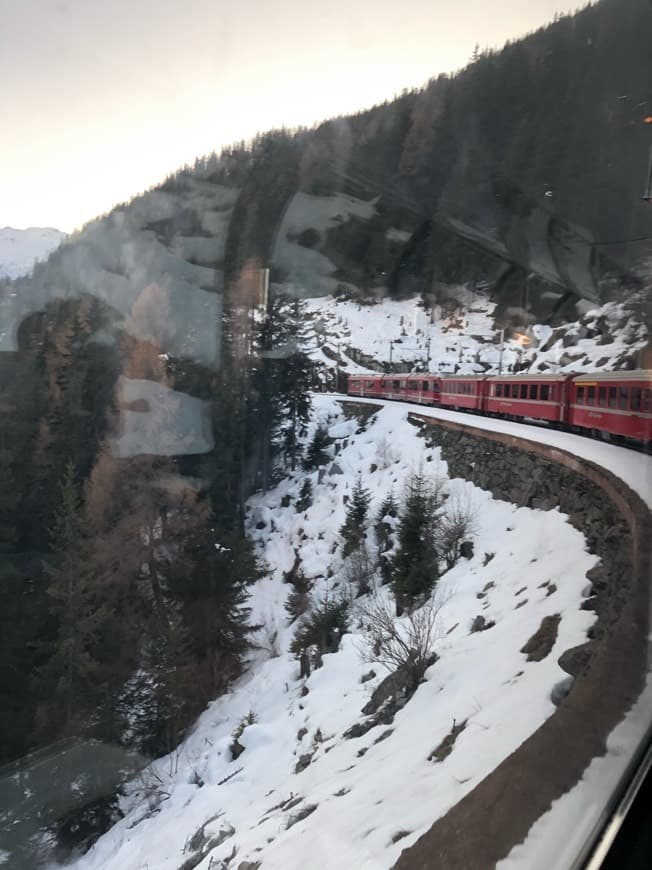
x=542, y=641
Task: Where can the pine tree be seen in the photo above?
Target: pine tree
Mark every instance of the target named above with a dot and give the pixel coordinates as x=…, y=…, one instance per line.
x=69, y=678
x=282, y=376
x=386, y=521
x=414, y=566
x=211, y=583
x=316, y=454
x=356, y=514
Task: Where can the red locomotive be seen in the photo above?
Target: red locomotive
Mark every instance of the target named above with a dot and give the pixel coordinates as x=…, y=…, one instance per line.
x=610, y=405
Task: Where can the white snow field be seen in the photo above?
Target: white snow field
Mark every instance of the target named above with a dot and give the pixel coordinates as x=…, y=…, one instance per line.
x=359, y=802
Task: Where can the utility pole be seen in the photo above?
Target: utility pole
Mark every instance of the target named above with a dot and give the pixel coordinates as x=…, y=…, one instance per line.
x=391, y=345
x=502, y=345
x=428, y=355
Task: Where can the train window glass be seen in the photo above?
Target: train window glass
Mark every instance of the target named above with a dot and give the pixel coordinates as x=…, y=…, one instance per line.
x=580, y=395
x=636, y=398
x=396, y=385
x=646, y=400
x=524, y=391
x=403, y=384
x=590, y=396
x=602, y=397
x=498, y=388
x=369, y=384
x=545, y=392
x=623, y=398
x=613, y=397
x=424, y=385
x=533, y=391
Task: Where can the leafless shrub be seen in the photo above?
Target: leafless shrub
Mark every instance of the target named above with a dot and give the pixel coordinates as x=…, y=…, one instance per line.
x=359, y=570
x=456, y=524
x=406, y=644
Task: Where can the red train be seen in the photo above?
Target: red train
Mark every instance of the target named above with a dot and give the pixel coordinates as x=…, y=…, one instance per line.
x=611, y=405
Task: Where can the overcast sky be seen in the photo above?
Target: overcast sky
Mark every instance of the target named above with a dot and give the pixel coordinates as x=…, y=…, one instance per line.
x=100, y=99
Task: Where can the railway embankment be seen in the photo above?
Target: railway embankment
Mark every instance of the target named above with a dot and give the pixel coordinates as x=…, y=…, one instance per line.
x=605, y=675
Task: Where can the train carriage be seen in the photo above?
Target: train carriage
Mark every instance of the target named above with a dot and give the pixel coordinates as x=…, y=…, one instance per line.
x=423, y=390
x=365, y=385
x=537, y=397
x=613, y=403
x=463, y=392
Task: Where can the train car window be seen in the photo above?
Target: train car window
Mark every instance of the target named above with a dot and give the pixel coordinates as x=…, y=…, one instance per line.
x=636, y=398
x=602, y=397
x=545, y=392
x=590, y=396
x=623, y=398
x=646, y=400
x=369, y=384
x=497, y=389
x=403, y=384
x=396, y=385
x=533, y=391
x=613, y=397
x=425, y=385
x=580, y=395
x=524, y=391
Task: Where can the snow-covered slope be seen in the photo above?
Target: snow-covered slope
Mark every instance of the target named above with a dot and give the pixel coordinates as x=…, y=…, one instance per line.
x=460, y=336
x=20, y=249
x=302, y=794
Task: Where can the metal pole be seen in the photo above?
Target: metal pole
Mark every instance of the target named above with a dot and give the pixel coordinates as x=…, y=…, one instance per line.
x=391, y=344
x=502, y=345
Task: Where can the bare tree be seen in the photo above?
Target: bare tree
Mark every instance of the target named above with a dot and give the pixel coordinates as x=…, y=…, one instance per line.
x=456, y=524
x=401, y=644
x=359, y=570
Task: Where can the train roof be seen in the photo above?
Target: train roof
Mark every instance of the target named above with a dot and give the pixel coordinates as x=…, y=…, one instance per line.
x=635, y=375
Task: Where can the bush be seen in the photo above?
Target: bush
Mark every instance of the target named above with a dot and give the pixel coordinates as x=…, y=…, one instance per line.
x=305, y=496
x=406, y=644
x=316, y=454
x=298, y=601
x=323, y=628
x=359, y=570
x=456, y=525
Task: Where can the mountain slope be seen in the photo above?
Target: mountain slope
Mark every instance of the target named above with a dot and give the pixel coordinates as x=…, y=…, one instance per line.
x=305, y=781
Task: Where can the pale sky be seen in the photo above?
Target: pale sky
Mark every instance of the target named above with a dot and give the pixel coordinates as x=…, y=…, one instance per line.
x=100, y=99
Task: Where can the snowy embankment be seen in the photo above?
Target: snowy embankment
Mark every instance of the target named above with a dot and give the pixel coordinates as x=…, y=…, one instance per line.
x=358, y=802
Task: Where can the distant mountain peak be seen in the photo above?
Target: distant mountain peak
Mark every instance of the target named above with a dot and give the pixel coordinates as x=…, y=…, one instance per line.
x=20, y=249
